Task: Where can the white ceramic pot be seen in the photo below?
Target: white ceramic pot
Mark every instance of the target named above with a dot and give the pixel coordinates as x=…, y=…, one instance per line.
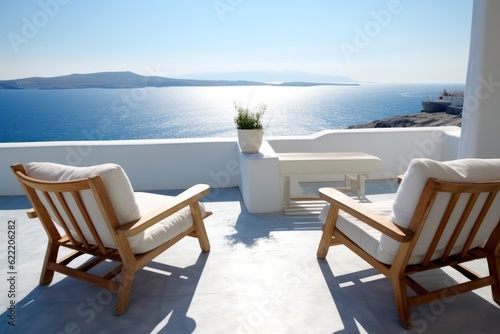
x=250, y=140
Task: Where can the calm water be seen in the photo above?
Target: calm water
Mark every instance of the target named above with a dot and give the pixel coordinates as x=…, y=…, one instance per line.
x=194, y=112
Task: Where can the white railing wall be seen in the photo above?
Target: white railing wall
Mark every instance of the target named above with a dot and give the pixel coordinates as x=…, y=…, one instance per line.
x=177, y=164
x=394, y=146
x=150, y=164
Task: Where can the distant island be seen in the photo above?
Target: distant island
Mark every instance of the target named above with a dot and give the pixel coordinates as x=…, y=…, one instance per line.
x=115, y=80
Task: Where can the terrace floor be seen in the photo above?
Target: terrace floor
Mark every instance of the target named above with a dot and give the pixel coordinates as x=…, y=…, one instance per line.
x=261, y=276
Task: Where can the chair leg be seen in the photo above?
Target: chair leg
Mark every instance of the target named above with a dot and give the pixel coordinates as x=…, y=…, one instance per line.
x=494, y=268
x=402, y=304
x=47, y=274
x=326, y=237
x=123, y=295
x=199, y=226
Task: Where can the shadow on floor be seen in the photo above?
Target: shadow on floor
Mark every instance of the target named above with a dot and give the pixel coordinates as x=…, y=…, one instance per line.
x=365, y=297
x=251, y=228
x=163, y=293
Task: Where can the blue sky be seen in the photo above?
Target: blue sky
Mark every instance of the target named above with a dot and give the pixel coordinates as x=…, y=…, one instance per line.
x=414, y=41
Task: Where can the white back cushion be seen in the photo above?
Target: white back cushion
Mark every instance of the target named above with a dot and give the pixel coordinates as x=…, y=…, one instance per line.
x=410, y=189
x=118, y=188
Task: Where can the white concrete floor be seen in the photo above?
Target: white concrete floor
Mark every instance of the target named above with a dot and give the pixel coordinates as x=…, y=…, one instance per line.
x=261, y=276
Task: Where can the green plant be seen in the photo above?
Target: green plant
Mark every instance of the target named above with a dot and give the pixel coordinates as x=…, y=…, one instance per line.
x=247, y=118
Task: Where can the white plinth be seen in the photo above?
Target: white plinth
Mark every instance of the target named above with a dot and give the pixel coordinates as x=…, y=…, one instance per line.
x=260, y=180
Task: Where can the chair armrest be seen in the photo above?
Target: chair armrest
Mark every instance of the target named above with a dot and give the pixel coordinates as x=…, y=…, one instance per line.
x=187, y=197
x=357, y=210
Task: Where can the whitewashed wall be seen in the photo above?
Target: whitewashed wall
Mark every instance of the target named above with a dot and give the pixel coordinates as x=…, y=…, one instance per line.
x=150, y=164
x=177, y=164
x=394, y=146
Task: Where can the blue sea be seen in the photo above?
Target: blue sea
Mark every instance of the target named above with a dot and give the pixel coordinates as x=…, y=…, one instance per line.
x=196, y=112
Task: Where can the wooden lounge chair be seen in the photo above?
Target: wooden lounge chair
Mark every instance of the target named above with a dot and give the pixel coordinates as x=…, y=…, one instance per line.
x=94, y=211
x=444, y=214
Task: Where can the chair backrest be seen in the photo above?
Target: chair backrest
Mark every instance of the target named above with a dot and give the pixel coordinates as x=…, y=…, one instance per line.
x=68, y=196
x=451, y=206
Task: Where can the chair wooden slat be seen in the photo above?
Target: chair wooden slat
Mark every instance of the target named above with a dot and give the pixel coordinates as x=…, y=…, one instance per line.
x=88, y=221
x=91, y=263
x=115, y=271
x=470, y=274
x=415, y=286
x=475, y=228
x=72, y=220
x=59, y=218
x=441, y=227
x=65, y=260
x=460, y=225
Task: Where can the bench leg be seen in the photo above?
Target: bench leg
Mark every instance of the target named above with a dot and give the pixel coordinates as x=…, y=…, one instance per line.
x=347, y=181
x=286, y=191
x=361, y=185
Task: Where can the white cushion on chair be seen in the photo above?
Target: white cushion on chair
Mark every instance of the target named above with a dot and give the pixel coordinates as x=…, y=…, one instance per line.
x=128, y=206
x=384, y=249
x=365, y=236
x=408, y=194
x=166, y=229
x=117, y=186
x=419, y=170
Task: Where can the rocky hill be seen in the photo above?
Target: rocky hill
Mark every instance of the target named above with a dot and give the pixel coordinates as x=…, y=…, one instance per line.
x=413, y=120
x=133, y=80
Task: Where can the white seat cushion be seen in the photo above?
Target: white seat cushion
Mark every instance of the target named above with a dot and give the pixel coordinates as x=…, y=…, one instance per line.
x=408, y=194
x=166, y=229
x=362, y=234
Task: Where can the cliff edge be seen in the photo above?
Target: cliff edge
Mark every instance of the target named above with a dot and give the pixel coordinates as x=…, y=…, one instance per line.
x=413, y=120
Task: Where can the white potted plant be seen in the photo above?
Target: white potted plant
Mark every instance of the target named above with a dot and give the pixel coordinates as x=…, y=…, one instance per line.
x=249, y=125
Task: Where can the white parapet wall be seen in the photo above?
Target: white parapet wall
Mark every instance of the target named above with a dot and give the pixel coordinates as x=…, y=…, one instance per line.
x=150, y=164
x=161, y=164
x=394, y=146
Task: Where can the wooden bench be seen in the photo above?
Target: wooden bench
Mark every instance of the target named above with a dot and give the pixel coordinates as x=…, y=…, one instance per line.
x=354, y=165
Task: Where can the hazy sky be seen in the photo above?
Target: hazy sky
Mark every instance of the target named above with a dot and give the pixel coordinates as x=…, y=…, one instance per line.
x=410, y=41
